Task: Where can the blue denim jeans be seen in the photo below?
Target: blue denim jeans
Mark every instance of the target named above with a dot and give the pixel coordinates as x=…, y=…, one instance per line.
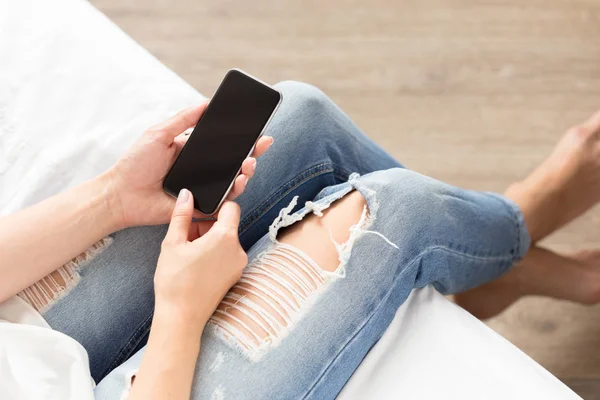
x=419, y=231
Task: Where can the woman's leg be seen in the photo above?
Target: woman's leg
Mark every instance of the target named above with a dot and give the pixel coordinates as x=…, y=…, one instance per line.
x=541, y=273
x=565, y=186
x=318, y=295
x=316, y=145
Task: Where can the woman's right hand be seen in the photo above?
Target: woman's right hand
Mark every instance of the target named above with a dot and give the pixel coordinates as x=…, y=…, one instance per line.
x=198, y=262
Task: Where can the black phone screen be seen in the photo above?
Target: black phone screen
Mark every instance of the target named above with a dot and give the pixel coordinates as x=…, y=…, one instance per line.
x=222, y=139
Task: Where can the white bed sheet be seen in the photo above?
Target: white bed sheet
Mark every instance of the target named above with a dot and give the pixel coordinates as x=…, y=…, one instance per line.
x=75, y=91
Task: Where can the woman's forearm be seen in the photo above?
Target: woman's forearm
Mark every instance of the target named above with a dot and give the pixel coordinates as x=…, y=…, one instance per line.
x=39, y=239
x=169, y=361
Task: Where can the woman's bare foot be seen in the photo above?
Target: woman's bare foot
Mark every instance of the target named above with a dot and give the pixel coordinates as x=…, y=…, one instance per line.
x=565, y=185
x=541, y=273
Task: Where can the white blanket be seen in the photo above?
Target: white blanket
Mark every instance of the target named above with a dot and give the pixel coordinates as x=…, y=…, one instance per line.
x=75, y=91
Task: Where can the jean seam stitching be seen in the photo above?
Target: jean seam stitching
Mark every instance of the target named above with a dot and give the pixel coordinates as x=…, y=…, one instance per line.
x=291, y=184
x=387, y=295
x=341, y=173
x=136, y=337
x=518, y=225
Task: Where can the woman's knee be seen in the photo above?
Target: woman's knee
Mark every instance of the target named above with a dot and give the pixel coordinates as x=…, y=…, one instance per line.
x=434, y=213
x=303, y=96
x=417, y=208
x=306, y=115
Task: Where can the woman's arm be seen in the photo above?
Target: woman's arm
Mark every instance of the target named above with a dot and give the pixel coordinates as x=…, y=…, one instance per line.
x=167, y=369
x=192, y=276
x=36, y=241
x=41, y=238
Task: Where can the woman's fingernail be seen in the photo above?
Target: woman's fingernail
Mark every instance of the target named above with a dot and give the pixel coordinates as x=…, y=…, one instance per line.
x=254, y=164
x=270, y=139
x=245, y=181
x=183, y=197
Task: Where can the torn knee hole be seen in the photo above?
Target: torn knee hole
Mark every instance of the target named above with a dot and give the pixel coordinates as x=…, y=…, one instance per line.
x=328, y=237
x=277, y=288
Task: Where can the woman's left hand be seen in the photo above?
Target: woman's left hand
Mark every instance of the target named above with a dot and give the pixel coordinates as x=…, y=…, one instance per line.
x=135, y=181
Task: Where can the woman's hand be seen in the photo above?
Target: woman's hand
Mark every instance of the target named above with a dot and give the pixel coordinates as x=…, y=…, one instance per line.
x=198, y=263
x=135, y=181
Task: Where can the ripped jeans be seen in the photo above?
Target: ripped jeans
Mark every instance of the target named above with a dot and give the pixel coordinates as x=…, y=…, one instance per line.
x=309, y=328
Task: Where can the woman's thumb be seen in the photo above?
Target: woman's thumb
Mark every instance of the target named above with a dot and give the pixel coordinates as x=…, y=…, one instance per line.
x=181, y=217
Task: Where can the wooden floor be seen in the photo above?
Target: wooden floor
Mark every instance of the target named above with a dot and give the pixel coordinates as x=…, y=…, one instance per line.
x=471, y=92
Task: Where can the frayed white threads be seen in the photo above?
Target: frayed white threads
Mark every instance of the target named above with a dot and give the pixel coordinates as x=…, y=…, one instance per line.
x=45, y=292
x=285, y=219
x=270, y=297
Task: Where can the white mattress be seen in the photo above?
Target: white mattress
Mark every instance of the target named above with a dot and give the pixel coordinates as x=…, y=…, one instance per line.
x=75, y=91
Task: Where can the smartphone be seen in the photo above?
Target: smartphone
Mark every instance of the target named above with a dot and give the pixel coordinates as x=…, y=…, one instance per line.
x=223, y=138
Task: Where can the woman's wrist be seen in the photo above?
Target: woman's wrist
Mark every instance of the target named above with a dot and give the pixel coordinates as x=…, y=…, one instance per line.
x=108, y=189
x=183, y=317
